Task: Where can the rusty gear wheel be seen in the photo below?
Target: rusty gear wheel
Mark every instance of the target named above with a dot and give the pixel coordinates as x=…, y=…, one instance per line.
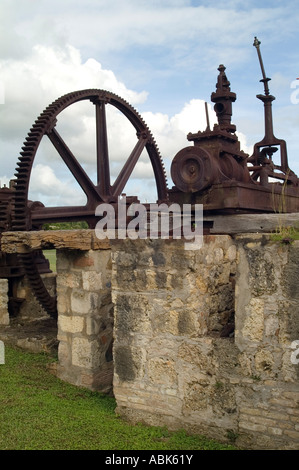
x=28, y=217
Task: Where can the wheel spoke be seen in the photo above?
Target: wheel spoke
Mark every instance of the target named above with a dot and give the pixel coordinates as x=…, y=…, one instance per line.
x=73, y=165
x=129, y=166
x=60, y=214
x=102, y=149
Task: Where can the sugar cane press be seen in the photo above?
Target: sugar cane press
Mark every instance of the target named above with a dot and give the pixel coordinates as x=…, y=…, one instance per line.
x=214, y=171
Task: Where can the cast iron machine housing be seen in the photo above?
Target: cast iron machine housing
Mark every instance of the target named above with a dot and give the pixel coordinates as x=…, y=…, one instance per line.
x=214, y=171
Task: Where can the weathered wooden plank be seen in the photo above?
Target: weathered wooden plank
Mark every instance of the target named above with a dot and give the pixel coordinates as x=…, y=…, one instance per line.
x=251, y=223
x=22, y=242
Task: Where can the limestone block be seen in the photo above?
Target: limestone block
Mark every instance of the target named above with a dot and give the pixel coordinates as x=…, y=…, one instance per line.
x=198, y=354
x=92, y=281
x=254, y=320
x=81, y=302
x=70, y=324
x=271, y=326
x=201, y=284
x=162, y=371
x=100, y=324
x=102, y=261
x=68, y=279
x=231, y=253
x=245, y=362
x=262, y=279
x=63, y=302
x=196, y=397
x=85, y=353
x=176, y=321
x=64, y=353
x=163, y=319
x=93, y=326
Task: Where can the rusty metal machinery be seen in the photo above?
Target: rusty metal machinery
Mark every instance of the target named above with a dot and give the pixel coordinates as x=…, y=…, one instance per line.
x=24, y=215
x=11, y=267
x=214, y=171
x=102, y=192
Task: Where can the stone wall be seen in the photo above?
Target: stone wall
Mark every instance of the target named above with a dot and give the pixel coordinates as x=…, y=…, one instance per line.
x=267, y=324
x=177, y=362
x=202, y=340
x=85, y=318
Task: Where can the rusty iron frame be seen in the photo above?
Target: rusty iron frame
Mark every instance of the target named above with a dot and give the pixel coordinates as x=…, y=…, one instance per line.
x=216, y=173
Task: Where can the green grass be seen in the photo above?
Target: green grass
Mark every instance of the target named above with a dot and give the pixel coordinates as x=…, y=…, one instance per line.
x=51, y=256
x=38, y=411
x=285, y=234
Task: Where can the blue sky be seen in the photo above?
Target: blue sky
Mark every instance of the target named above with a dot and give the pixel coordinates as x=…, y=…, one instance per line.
x=160, y=55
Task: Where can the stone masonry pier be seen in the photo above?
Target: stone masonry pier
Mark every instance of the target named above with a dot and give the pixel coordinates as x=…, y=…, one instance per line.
x=85, y=310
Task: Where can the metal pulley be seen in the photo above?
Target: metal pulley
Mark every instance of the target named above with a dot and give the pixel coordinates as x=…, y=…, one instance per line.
x=193, y=169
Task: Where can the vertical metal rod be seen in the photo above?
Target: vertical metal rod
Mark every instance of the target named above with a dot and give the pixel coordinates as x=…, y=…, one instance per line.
x=207, y=117
x=256, y=44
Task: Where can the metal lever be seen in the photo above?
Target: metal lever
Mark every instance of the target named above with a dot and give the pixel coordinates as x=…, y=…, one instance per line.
x=265, y=80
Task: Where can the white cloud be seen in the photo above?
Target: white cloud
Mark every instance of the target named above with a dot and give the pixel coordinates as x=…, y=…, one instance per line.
x=33, y=83
x=171, y=131
x=50, y=72
x=46, y=187
x=4, y=181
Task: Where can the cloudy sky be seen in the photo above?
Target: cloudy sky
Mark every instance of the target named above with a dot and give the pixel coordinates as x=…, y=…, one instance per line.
x=159, y=55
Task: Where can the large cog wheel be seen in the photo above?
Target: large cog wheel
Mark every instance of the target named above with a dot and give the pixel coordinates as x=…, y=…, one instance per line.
x=28, y=216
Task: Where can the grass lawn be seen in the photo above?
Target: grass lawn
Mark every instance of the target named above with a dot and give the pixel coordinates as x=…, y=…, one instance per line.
x=51, y=256
x=38, y=411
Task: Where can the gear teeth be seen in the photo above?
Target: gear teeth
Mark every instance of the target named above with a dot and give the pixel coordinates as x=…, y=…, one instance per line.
x=26, y=159
x=41, y=293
